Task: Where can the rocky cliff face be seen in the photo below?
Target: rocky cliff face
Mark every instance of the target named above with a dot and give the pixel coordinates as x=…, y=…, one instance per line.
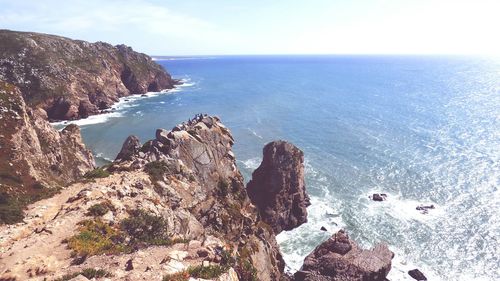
x=340, y=258
x=72, y=79
x=35, y=159
x=174, y=207
x=277, y=187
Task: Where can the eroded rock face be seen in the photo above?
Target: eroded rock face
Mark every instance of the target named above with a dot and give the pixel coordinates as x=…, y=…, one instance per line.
x=73, y=79
x=199, y=153
x=129, y=148
x=277, y=187
x=35, y=158
x=340, y=258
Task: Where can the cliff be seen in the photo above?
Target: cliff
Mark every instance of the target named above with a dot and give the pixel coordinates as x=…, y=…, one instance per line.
x=35, y=159
x=176, y=207
x=72, y=79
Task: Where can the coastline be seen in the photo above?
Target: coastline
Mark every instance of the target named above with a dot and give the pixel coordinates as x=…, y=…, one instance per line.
x=123, y=103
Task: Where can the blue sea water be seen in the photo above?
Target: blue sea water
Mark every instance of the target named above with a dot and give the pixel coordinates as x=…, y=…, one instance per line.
x=423, y=129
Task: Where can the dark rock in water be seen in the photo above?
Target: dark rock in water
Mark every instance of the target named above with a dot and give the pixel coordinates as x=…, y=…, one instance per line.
x=323, y=228
x=379, y=197
x=340, y=258
x=425, y=209
x=144, y=95
x=129, y=148
x=129, y=266
x=277, y=187
x=417, y=275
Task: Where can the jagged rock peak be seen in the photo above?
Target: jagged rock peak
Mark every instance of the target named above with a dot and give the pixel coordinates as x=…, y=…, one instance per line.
x=340, y=258
x=130, y=147
x=277, y=187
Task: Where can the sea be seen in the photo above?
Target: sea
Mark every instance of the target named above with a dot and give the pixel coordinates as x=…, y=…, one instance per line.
x=422, y=129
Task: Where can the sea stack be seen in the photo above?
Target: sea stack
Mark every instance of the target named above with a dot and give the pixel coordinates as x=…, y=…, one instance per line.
x=277, y=187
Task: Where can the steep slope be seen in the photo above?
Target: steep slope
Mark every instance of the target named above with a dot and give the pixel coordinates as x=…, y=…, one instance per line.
x=73, y=79
x=176, y=207
x=35, y=159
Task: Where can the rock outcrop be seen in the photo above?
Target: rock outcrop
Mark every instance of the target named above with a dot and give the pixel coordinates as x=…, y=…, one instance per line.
x=72, y=79
x=340, y=258
x=177, y=207
x=277, y=187
x=35, y=159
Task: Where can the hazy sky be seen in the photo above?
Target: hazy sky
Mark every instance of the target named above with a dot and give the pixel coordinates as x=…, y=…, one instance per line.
x=189, y=27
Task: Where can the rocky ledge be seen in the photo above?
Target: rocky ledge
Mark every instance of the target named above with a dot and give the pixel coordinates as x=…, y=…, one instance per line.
x=176, y=208
x=72, y=79
x=340, y=258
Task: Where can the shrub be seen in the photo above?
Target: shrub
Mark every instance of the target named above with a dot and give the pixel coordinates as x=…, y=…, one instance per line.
x=88, y=273
x=147, y=228
x=100, y=172
x=207, y=272
x=100, y=209
x=199, y=271
x=11, y=210
x=180, y=276
x=223, y=187
x=97, y=237
x=156, y=170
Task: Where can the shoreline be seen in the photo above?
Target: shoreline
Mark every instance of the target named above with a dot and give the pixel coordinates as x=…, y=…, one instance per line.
x=122, y=103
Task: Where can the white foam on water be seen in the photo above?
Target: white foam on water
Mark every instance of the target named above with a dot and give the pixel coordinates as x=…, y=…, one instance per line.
x=252, y=163
x=401, y=208
x=254, y=133
x=400, y=267
x=118, y=108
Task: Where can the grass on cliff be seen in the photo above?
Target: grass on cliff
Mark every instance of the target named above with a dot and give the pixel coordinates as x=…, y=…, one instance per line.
x=12, y=206
x=100, y=172
x=89, y=273
x=200, y=271
x=100, y=209
x=141, y=229
x=156, y=170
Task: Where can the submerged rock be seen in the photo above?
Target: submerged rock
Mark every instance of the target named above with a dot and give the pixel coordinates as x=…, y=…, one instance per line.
x=340, y=258
x=379, y=197
x=277, y=187
x=417, y=275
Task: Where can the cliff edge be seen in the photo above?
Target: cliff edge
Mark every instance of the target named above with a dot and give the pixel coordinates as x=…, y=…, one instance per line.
x=72, y=79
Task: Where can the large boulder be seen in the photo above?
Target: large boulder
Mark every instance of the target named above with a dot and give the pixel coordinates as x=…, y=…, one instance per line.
x=340, y=258
x=130, y=147
x=277, y=187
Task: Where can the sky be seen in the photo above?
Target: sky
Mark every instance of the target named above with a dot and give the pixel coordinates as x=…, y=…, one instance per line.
x=218, y=27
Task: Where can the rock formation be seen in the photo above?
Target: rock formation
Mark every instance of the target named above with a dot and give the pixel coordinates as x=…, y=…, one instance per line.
x=72, y=79
x=277, y=187
x=35, y=159
x=340, y=258
x=183, y=185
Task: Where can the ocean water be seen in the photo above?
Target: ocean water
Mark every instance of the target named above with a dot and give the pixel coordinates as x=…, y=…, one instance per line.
x=424, y=130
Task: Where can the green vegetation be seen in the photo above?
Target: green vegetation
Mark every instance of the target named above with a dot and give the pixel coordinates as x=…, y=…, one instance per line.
x=180, y=276
x=11, y=207
x=88, y=273
x=97, y=237
x=100, y=172
x=200, y=271
x=156, y=170
x=11, y=210
x=141, y=229
x=223, y=187
x=100, y=209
